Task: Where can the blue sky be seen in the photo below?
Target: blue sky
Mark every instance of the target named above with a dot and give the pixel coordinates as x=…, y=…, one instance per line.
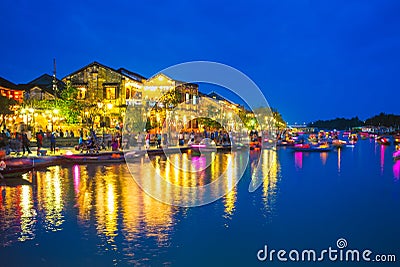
x=312, y=59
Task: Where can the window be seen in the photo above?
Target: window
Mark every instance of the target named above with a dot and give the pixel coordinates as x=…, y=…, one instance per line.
x=110, y=92
x=81, y=93
x=128, y=93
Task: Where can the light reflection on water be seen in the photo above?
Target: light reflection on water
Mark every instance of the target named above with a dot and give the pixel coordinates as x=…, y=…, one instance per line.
x=106, y=211
x=108, y=200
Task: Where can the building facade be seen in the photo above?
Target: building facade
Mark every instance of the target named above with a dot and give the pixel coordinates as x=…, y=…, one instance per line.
x=102, y=86
x=11, y=90
x=45, y=87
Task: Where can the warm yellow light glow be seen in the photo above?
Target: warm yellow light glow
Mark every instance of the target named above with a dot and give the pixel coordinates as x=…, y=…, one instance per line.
x=26, y=214
x=55, y=111
x=230, y=198
x=109, y=105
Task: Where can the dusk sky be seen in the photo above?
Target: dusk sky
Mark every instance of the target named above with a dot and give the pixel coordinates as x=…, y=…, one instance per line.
x=312, y=59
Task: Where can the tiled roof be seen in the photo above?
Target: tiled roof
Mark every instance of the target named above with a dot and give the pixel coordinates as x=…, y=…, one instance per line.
x=44, y=82
x=7, y=84
x=130, y=74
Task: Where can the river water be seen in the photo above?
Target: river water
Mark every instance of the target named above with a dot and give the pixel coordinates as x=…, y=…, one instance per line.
x=97, y=215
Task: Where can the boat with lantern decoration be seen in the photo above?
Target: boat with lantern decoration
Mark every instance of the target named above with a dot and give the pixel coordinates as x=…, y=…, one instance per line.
x=312, y=148
x=396, y=139
x=396, y=155
x=99, y=158
x=383, y=140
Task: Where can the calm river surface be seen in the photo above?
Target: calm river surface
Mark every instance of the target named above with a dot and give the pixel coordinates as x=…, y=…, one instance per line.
x=98, y=216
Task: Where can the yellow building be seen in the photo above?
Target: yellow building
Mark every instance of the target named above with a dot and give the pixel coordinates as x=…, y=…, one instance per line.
x=100, y=86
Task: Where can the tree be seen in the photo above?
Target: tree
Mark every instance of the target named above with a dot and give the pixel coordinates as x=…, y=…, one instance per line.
x=68, y=106
x=6, y=105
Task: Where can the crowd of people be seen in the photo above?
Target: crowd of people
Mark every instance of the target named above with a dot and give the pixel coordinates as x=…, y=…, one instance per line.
x=158, y=140
x=89, y=141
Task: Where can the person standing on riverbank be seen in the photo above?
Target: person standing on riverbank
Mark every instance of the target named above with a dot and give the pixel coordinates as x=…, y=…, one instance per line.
x=53, y=142
x=39, y=141
x=25, y=143
x=147, y=141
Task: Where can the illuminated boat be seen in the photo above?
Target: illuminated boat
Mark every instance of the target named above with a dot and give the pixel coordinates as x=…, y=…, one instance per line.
x=206, y=145
x=397, y=139
x=364, y=135
x=313, y=138
x=346, y=133
x=396, y=155
x=285, y=143
x=338, y=143
x=383, y=141
x=100, y=158
x=353, y=137
x=312, y=148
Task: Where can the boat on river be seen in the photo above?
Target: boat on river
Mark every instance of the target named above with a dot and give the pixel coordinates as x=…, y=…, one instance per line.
x=396, y=155
x=396, y=139
x=312, y=148
x=383, y=140
x=98, y=158
x=14, y=167
x=205, y=145
x=338, y=143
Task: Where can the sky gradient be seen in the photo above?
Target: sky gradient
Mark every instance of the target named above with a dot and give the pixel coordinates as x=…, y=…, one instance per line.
x=312, y=59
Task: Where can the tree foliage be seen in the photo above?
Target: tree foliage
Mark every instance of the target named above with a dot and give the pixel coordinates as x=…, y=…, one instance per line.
x=338, y=123
x=67, y=105
x=388, y=120
x=383, y=119
x=6, y=105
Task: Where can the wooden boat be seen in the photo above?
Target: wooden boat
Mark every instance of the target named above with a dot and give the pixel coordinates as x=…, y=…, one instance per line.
x=97, y=158
x=43, y=162
x=13, y=167
x=169, y=150
x=15, y=171
x=312, y=148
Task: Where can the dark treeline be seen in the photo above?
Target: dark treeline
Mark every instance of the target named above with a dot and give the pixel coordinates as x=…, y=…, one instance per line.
x=388, y=120
x=338, y=123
